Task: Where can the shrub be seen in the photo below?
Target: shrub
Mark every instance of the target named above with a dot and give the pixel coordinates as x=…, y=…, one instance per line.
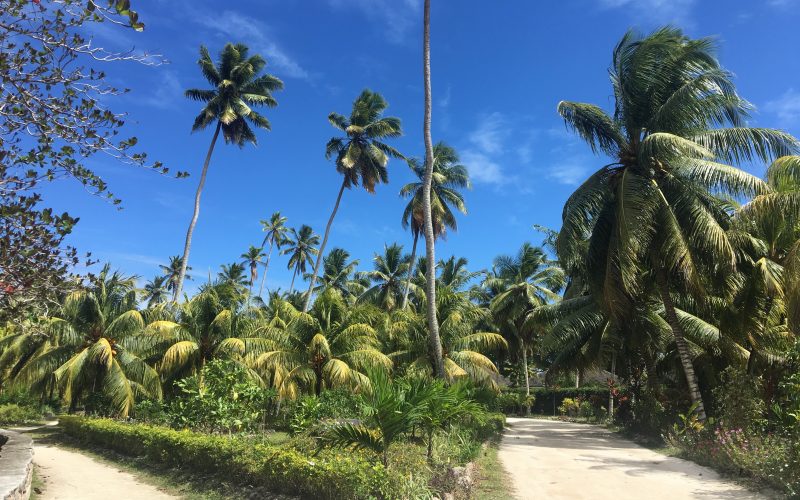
x=569, y=407
x=738, y=400
x=325, y=476
x=548, y=400
x=315, y=413
x=513, y=402
x=221, y=399
x=12, y=413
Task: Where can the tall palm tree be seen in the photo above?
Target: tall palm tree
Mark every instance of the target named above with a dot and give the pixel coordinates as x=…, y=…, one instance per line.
x=339, y=273
x=387, y=277
x=650, y=215
x=448, y=177
x=434, y=341
x=329, y=346
x=237, y=87
x=276, y=235
x=527, y=281
x=361, y=156
x=301, y=248
x=252, y=258
x=86, y=351
x=156, y=291
x=172, y=271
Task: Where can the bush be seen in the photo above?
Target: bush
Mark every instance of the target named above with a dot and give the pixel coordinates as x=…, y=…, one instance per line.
x=12, y=413
x=221, y=399
x=512, y=402
x=738, y=400
x=313, y=414
x=325, y=476
x=548, y=400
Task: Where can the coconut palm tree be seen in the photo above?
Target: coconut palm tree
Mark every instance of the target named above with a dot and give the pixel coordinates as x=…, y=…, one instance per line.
x=329, y=346
x=86, y=352
x=301, y=248
x=156, y=291
x=339, y=273
x=361, y=156
x=252, y=258
x=172, y=271
x=455, y=274
x=527, y=281
x=237, y=88
x=448, y=177
x=434, y=340
x=205, y=329
x=387, y=277
x=650, y=215
x=276, y=235
x=465, y=347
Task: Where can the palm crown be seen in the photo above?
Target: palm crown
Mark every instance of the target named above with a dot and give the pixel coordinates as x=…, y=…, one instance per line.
x=237, y=87
x=360, y=155
x=448, y=176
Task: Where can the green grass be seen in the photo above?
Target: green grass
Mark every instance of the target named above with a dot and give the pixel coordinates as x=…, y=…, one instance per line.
x=180, y=483
x=492, y=481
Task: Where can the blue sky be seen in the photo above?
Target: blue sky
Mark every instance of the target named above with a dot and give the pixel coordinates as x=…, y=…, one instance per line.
x=498, y=74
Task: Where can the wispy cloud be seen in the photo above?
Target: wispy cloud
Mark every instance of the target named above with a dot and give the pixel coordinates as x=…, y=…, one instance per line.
x=257, y=35
x=168, y=93
x=490, y=133
x=655, y=11
x=786, y=107
x=570, y=173
x=396, y=17
x=487, y=142
x=482, y=169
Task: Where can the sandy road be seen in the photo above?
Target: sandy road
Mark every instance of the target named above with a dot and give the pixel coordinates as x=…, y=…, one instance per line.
x=68, y=475
x=550, y=459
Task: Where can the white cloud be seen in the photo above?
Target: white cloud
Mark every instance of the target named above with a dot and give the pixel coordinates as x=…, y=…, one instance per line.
x=656, y=11
x=396, y=17
x=786, y=107
x=444, y=101
x=570, y=173
x=255, y=33
x=168, y=92
x=482, y=168
x=490, y=134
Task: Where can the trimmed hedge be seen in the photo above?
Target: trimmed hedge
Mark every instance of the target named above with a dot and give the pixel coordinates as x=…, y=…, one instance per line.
x=277, y=469
x=548, y=400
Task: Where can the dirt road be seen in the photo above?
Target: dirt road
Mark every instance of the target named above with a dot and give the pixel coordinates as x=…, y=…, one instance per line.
x=68, y=475
x=560, y=460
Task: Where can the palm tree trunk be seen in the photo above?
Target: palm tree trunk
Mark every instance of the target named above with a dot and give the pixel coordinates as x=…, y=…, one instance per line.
x=430, y=250
x=611, y=387
x=525, y=368
x=322, y=247
x=264, y=276
x=187, y=247
x=410, y=270
x=294, y=274
x=683, y=346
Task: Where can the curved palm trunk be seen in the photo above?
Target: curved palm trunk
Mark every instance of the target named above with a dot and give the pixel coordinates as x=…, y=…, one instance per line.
x=410, y=270
x=187, y=247
x=683, y=346
x=294, y=275
x=435, y=342
x=264, y=276
x=310, y=292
